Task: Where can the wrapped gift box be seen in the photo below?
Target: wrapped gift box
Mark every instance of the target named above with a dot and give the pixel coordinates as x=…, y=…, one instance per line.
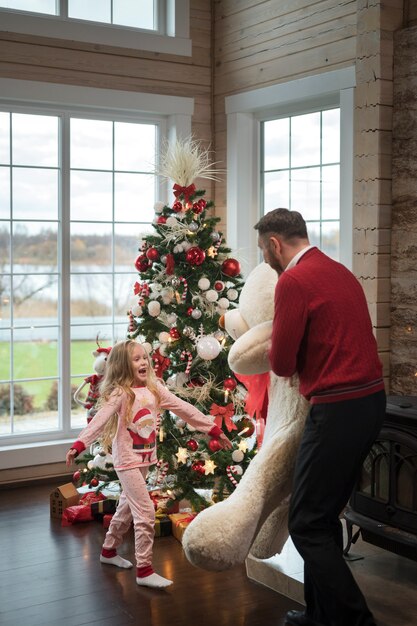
x=63, y=497
x=104, y=507
x=163, y=525
x=180, y=521
x=163, y=502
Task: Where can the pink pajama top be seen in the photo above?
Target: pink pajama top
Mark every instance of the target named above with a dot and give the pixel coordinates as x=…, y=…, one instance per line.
x=135, y=445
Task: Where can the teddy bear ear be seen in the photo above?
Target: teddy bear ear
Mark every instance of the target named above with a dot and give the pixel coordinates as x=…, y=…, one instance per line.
x=234, y=324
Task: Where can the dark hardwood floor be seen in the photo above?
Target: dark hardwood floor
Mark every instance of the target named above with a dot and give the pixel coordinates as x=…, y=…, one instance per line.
x=51, y=575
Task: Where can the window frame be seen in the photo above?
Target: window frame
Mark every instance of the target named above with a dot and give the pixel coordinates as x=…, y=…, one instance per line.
x=172, y=38
x=173, y=115
x=245, y=112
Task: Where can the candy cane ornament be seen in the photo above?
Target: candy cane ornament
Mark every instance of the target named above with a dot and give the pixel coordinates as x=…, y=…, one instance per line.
x=161, y=471
x=233, y=469
x=185, y=283
x=184, y=354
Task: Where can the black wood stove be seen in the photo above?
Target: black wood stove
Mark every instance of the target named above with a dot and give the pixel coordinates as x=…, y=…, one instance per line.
x=383, y=504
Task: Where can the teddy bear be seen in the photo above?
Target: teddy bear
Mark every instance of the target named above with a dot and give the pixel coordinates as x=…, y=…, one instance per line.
x=93, y=380
x=253, y=519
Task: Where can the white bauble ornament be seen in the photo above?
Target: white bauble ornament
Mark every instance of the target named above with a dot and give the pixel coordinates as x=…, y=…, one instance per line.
x=238, y=456
x=146, y=346
x=172, y=318
x=212, y=295
x=154, y=308
x=224, y=303
x=193, y=227
x=158, y=206
x=164, y=259
x=137, y=310
x=232, y=294
x=180, y=423
x=208, y=348
x=204, y=283
x=164, y=337
x=172, y=221
x=196, y=314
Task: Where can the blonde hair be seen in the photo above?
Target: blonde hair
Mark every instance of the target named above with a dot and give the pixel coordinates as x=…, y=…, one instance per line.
x=119, y=375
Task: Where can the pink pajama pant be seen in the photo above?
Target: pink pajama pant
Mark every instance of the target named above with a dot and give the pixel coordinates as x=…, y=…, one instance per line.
x=134, y=503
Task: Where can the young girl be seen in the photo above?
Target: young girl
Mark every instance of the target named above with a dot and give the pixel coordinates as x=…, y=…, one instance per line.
x=130, y=398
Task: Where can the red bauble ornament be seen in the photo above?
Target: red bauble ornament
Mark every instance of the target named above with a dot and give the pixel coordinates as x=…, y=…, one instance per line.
x=197, y=208
x=190, y=310
x=76, y=476
x=161, y=219
x=231, y=267
x=177, y=206
x=202, y=203
x=192, y=445
x=230, y=383
x=175, y=333
x=195, y=256
x=152, y=254
x=245, y=424
x=214, y=445
x=198, y=467
x=219, y=285
x=142, y=263
x=93, y=482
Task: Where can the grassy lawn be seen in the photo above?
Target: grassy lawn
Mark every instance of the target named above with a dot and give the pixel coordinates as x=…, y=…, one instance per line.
x=36, y=359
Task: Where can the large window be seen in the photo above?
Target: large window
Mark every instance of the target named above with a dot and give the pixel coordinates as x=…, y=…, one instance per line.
x=300, y=170
x=76, y=194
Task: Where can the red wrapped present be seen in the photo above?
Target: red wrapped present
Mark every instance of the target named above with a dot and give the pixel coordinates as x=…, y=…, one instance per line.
x=77, y=513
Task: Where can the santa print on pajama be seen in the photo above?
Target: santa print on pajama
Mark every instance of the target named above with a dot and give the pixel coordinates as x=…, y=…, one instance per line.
x=134, y=450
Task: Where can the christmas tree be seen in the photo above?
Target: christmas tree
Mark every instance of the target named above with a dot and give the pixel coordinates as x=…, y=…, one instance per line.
x=187, y=281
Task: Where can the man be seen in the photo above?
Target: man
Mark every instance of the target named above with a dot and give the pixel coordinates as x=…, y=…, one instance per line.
x=322, y=331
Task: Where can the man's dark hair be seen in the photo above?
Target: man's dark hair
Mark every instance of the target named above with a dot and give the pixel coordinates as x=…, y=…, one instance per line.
x=288, y=224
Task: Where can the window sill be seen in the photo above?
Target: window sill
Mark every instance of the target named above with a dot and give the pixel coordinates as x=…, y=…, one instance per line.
x=41, y=453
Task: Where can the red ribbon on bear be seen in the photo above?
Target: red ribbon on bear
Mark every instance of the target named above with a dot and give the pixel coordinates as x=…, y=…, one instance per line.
x=256, y=401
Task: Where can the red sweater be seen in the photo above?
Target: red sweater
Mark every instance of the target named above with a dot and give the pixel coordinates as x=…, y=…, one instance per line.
x=323, y=331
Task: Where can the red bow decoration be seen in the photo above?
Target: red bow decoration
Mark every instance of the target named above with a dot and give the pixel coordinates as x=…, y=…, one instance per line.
x=186, y=520
x=256, y=402
x=185, y=191
x=223, y=412
x=161, y=363
x=137, y=288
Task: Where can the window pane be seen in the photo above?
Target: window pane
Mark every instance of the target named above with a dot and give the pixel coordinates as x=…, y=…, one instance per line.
x=134, y=13
x=127, y=242
x=78, y=412
x=4, y=247
x=313, y=229
x=91, y=247
x=35, y=247
x=91, y=196
x=5, y=193
x=30, y=407
x=91, y=298
x=330, y=239
x=330, y=192
x=134, y=147
x=331, y=136
x=91, y=144
x=83, y=343
x=276, y=191
x=5, y=302
x=35, y=6
x=123, y=291
x=276, y=144
x=305, y=140
x=134, y=197
x=5, y=416
x=4, y=138
x=305, y=192
x=34, y=140
x=35, y=302
x=35, y=355
x=35, y=193
x=4, y=358
x=94, y=10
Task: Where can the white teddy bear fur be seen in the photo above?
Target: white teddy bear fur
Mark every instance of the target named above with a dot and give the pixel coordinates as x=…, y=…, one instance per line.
x=254, y=517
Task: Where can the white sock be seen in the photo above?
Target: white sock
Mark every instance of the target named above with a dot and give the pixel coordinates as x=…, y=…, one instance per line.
x=153, y=580
x=116, y=560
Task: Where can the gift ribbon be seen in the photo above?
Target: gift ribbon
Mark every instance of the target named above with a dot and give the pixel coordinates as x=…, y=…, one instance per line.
x=187, y=519
x=223, y=413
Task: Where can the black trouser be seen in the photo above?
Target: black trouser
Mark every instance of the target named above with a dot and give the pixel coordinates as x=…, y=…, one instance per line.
x=335, y=442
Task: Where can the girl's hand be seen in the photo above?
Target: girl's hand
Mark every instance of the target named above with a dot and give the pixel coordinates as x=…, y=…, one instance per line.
x=225, y=442
x=71, y=454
